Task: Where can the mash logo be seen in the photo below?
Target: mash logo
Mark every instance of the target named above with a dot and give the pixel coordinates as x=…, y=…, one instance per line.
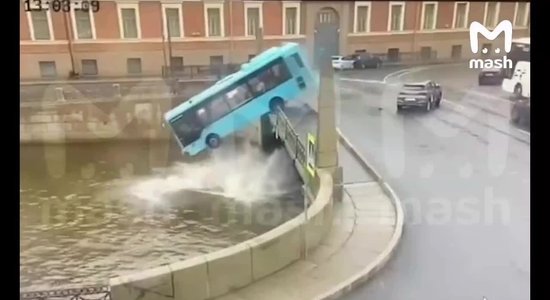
x=503, y=27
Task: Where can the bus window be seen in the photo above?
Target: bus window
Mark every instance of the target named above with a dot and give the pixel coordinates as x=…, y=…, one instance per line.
x=216, y=108
x=278, y=74
x=238, y=95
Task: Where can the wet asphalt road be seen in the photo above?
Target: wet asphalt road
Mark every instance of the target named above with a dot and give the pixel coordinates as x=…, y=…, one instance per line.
x=462, y=173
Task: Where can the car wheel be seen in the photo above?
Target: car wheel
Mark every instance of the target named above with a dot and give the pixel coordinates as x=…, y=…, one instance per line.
x=213, y=141
x=399, y=108
x=438, y=103
x=514, y=116
x=480, y=82
x=428, y=106
x=518, y=91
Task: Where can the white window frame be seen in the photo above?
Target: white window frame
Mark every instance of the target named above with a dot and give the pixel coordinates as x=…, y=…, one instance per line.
x=422, y=18
x=135, y=6
x=403, y=5
x=467, y=16
x=356, y=16
x=92, y=24
x=526, y=16
x=164, y=6
x=31, y=27
x=497, y=14
x=222, y=19
x=259, y=6
x=296, y=5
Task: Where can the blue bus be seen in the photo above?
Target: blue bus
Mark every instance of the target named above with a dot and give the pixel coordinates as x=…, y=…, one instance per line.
x=261, y=86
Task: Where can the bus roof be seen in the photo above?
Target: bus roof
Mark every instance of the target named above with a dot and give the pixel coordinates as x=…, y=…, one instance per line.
x=525, y=40
x=246, y=68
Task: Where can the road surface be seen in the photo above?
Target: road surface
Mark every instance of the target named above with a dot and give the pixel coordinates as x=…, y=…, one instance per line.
x=462, y=173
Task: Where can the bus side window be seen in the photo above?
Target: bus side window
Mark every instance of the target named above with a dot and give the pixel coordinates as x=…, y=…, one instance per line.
x=259, y=83
x=280, y=73
x=216, y=108
x=238, y=96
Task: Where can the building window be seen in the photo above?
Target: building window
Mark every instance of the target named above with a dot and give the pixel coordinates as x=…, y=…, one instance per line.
x=491, y=14
x=393, y=54
x=47, y=69
x=461, y=15
x=456, y=51
x=216, y=60
x=253, y=18
x=291, y=17
x=40, y=25
x=397, y=16
x=425, y=53
x=129, y=22
x=429, y=15
x=173, y=21
x=214, y=19
x=362, y=17
x=326, y=17
x=89, y=67
x=522, y=14
x=176, y=63
x=83, y=24
x=487, y=46
x=133, y=65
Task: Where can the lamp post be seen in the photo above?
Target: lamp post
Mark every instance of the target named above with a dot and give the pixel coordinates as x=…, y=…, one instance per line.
x=70, y=34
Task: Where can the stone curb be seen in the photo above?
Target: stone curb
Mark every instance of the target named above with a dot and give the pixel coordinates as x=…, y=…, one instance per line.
x=364, y=275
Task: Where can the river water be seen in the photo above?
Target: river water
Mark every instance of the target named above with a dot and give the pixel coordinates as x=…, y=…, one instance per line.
x=93, y=211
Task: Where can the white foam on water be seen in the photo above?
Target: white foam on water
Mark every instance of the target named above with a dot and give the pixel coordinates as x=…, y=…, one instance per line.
x=245, y=176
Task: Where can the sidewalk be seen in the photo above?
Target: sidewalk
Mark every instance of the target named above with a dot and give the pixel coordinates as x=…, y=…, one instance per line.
x=363, y=230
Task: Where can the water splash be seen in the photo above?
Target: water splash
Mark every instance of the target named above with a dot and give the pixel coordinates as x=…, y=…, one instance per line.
x=245, y=176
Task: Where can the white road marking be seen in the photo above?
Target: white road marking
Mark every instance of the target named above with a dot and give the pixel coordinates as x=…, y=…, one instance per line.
x=361, y=80
x=481, y=94
x=462, y=108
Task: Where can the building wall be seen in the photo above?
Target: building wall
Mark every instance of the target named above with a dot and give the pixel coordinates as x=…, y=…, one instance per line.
x=111, y=51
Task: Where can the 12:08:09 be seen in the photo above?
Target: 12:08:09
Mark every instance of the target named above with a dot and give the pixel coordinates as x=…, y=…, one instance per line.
x=61, y=5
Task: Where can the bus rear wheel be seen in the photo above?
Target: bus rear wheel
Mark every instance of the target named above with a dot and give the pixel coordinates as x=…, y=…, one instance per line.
x=276, y=103
x=213, y=141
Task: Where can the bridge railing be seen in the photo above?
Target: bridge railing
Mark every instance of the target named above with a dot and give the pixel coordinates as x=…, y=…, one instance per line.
x=285, y=132
x=82, y=293
x=296, y=149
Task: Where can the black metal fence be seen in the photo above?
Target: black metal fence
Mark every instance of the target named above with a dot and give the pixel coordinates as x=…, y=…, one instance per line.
x=199, y=72
x=83, y=293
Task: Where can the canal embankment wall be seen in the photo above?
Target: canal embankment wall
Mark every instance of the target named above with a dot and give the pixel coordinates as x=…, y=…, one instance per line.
x=215, y=274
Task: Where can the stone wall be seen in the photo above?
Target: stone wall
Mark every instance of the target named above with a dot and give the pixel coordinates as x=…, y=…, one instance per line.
x=128, y=117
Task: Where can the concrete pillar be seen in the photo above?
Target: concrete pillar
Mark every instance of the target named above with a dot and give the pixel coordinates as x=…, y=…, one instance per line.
x=327, y=137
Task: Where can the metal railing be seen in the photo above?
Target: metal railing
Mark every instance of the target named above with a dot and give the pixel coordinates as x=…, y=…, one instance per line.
x=90, y=293
x=285, y=131
x=199, y=71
